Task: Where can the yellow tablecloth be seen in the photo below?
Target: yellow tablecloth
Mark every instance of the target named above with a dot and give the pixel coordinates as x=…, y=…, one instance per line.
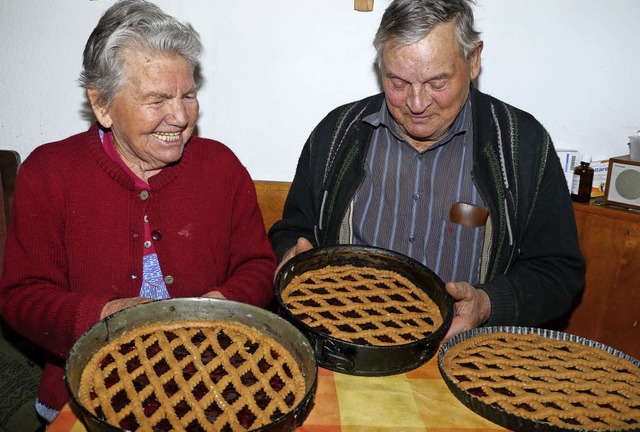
x=415, y=401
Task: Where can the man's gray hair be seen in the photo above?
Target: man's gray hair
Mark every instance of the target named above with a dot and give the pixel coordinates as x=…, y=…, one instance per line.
x=132, y=25
x=406, y=22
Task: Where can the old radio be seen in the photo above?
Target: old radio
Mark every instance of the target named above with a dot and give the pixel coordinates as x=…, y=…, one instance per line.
x=623, y=182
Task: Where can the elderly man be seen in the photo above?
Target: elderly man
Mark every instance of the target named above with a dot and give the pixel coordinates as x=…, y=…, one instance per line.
x=439, y=171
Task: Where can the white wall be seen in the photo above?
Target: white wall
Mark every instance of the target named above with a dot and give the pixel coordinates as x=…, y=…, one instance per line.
x=274, y=68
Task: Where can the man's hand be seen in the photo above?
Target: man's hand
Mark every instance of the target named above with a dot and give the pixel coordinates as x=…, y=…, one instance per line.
x=302, y=246
x=116, y=305
x=472, y=307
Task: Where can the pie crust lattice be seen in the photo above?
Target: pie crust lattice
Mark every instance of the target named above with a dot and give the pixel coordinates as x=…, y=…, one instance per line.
x=192, y=376
x=564, y=383
x=362, y=305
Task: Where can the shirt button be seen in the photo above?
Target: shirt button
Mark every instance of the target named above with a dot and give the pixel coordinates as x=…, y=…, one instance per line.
x=147, y=244
x=156, y=235
x=416, y=197
x=168, y=279
x=411, y=239
x=420, y=156
x=144, y=195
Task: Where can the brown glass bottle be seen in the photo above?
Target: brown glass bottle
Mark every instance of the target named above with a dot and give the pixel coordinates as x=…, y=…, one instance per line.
x=582, y=180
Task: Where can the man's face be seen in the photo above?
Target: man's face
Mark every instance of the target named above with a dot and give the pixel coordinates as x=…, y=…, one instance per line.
x=427, y=83
x=154, y=114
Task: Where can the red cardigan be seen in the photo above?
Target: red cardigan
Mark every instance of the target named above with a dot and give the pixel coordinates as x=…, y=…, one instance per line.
x=76, y=234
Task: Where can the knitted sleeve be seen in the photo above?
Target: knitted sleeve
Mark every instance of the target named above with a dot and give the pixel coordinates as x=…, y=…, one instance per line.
x=35, y=297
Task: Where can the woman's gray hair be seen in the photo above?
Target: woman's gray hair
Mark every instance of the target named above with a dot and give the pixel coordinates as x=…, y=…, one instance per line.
x=132, y=25
x=406, y=22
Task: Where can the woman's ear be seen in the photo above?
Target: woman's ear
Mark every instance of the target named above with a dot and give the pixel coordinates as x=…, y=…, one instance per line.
x=101, y=112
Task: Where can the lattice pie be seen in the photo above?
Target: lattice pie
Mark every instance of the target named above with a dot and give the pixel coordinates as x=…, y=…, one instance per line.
x=362, y=305
x=564, y=383
x=191, y=376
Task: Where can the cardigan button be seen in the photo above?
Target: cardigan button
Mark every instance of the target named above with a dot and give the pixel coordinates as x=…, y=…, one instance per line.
x=156, y=235
x=168, y=279
x=144, y=195
x=147, y=244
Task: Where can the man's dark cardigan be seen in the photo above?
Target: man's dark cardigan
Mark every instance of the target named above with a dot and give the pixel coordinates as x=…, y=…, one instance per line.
x=532, y=268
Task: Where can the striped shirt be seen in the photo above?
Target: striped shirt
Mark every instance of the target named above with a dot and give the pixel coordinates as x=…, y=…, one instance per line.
x=404, y=201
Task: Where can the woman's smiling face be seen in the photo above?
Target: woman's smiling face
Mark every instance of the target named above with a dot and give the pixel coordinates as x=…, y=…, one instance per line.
x=154, y=114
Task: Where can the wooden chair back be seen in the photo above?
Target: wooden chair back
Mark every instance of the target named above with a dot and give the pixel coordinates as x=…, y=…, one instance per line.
x=9, y=164
x=271, y=198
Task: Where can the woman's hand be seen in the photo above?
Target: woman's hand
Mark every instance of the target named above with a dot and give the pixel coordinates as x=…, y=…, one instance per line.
x=116, y=305
x=214, y=294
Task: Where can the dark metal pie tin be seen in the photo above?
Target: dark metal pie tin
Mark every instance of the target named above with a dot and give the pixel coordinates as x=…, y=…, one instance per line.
x=357, y=359
x=180, y=309
x=500, y=416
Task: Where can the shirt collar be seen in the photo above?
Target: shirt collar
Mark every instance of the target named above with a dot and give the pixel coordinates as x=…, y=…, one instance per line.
x=109, y=147
x=461, y=124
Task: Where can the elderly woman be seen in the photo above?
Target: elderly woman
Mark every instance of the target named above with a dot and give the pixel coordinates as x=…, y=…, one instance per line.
x=134, y=209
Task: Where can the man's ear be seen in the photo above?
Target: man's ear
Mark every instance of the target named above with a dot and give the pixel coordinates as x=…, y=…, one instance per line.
x=474, y=60
x=101, y=112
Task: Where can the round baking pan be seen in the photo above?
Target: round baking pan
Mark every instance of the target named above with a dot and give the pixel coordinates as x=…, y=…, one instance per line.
x=358, y=359
x=180, y=309
x=500, y=416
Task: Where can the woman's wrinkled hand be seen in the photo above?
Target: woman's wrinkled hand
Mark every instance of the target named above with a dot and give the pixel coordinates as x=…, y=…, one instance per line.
x=117, y=305
x=214, y=294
